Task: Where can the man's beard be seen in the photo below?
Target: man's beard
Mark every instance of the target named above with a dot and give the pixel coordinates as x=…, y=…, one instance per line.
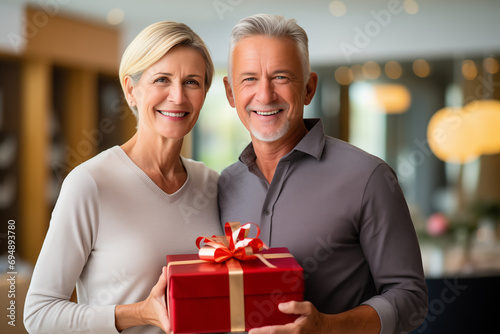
x=270, y=137
x=275, y=135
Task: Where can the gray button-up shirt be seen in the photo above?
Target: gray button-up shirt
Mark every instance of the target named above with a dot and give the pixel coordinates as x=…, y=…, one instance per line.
x=341, y=213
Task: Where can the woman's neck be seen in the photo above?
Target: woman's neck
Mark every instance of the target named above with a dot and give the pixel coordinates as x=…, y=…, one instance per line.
x=159, y=158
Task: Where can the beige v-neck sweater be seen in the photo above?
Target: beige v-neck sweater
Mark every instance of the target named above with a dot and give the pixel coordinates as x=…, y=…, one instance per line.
x=109, y=234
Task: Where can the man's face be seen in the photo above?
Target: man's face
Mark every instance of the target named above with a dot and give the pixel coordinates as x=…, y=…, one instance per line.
x=269, y=90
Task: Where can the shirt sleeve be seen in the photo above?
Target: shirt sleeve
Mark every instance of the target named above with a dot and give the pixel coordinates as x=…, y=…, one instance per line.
x=390, y=245
x=67, y=245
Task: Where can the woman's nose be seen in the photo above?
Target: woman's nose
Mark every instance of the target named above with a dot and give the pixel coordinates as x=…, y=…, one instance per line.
x=176, y=93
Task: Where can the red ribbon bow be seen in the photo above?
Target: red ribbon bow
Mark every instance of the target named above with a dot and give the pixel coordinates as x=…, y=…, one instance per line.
x=234, y=244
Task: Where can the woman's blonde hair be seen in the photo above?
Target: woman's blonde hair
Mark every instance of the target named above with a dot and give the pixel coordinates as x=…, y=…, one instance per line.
x=152, y=43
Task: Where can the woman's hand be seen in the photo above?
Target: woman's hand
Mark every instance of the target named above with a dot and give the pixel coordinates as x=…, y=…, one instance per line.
x=152, y=311
x=154, y=308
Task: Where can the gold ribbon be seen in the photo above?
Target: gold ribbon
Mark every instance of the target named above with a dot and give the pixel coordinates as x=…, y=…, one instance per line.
x=236, y=288
x=234, y=243
x=236, y=296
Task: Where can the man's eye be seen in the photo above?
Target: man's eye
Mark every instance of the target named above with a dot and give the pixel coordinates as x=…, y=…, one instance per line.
x=249, y=79
x=281, y=77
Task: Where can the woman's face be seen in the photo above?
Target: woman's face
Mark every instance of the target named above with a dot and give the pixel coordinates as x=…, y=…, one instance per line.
x=170, y=93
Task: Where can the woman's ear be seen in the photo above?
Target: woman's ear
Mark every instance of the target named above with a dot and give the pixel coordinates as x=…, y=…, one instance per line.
x=129, y=91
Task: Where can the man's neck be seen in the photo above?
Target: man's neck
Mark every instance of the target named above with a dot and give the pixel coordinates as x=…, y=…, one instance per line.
x=268, y=154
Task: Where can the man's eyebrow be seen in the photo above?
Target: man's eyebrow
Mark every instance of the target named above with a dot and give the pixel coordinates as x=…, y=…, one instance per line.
x=289, y=72
x=284, y=71
x=244, y=74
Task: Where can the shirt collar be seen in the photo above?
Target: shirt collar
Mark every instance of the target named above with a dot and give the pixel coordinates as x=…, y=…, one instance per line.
x=312, y=143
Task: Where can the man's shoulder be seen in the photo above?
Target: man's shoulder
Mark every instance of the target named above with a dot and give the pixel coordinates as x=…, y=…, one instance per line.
x=235, y=166
x=339, y=150
x=234, y=171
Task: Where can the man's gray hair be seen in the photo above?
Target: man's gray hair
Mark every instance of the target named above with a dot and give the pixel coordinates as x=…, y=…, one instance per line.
x=272, y=26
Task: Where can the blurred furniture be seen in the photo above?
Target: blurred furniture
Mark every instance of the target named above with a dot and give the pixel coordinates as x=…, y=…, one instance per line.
x=60, y=103
x=465, y=305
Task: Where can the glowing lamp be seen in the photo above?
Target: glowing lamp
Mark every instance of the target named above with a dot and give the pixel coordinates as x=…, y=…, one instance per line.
x=452, y=135
x=488, y=113
x=393, y=98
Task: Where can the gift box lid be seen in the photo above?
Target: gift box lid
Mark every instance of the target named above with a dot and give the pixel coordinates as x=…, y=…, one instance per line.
x=209, y=279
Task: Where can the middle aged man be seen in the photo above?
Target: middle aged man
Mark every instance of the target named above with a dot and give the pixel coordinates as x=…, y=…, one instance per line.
x=339, y=210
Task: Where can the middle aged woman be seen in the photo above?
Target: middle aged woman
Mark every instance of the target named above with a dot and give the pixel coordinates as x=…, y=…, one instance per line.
x=120, y=213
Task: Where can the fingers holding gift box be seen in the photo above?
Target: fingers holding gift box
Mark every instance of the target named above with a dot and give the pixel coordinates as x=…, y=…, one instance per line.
x=235, y=295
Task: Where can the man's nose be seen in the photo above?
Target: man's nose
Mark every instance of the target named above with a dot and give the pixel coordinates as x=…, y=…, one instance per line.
x=265, y=92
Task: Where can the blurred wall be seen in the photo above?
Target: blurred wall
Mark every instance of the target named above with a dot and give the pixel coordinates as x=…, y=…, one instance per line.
x=61, y=66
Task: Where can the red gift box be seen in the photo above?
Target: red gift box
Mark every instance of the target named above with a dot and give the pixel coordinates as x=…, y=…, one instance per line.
x=202, y=298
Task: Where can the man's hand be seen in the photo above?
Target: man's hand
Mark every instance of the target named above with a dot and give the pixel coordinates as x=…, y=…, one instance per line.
x=362, y=319
x=310, y=320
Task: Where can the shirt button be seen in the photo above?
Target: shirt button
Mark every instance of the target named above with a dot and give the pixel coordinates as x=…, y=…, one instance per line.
x=266, y=212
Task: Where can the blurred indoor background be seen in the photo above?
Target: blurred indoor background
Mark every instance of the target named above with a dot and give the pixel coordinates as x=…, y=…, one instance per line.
x=415, y=82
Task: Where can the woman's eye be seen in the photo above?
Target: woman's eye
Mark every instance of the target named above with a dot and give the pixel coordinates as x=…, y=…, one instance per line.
x=192, y=82
x=161, y=80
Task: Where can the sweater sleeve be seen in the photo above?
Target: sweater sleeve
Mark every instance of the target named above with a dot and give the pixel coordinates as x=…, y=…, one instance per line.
x=67, y=246
x=390, y=245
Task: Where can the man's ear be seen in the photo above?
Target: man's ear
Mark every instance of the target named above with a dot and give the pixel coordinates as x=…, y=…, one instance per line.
x=311, y=86
x=229, y=92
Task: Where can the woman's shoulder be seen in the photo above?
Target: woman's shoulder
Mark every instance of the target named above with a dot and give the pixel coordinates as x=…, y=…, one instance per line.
x=101, y=160
x=198, y=168
x=105, y=160
x=103, y=163
x=200, y=173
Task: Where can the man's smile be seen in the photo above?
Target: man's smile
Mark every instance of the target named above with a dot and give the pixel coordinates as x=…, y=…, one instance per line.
x=268, y=113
